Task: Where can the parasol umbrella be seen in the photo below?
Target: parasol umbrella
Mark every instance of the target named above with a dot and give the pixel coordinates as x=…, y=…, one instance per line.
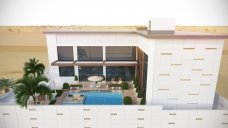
x=95, y=78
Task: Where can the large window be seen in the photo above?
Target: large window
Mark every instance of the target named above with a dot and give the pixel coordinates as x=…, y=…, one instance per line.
x=85, y=72
x=121, y=53
x=66, y=70
x=126, y=73
x=65, y=53
x=93, y=53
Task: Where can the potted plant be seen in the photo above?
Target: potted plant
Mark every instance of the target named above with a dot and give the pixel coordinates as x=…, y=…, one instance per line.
x=124, y=85
x=139, y=94
x=66, y=86
x=127, y=100
x=137, y=89
x=134, y=80
x=135, y=84
x=142, y=102
x=76, y=78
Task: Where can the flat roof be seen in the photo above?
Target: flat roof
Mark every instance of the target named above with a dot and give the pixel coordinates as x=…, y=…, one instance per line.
x=148, y=34
x=89, y=31
x=180, y=34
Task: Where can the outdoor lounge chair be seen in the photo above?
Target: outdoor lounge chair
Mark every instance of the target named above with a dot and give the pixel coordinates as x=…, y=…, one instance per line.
x=92, y=85
x=113, y=81
x=98, y=84
x=103, y=82
x=120, y=82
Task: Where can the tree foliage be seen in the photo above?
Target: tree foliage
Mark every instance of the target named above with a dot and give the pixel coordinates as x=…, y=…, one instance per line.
x=31, y=86
x=33, y=67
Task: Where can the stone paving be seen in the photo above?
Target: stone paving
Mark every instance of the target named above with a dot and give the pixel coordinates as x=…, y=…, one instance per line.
x=61, y=98
x=131, y=92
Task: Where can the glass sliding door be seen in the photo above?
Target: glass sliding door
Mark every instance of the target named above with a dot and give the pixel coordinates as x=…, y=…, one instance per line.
x=87, y=71
x=126, y=73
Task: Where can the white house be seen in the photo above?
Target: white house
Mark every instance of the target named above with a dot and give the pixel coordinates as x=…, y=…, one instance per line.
x=176, y=69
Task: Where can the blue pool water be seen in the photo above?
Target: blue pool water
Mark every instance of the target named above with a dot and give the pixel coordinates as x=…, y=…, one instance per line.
x=102, y=98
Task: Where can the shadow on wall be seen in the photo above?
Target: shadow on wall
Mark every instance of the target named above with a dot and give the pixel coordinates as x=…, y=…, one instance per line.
x=222, y=86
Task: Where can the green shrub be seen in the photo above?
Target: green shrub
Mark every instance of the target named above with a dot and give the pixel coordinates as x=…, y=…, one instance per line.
x=127, y=100
x=52, y=102
x=139, y=94
x=124, y=85
x=137, y=89
x=142, y=102
x=76, y=78
x=76, y=85
x=66, y=86
x=135, y=81
x=136, y=85
x=59, y=93
x=114, y=85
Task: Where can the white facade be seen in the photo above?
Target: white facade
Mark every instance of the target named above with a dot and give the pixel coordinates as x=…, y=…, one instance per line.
x=182, y=73
x=186, y=72
x=86, y=116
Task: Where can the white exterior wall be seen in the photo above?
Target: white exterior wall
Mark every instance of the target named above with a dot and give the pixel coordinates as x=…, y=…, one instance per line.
x=148, y=46
x=186, y=72
x=96, y=39
x=12, y=116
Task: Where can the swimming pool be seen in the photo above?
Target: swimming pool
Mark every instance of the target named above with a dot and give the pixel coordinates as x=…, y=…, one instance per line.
x=101, y=98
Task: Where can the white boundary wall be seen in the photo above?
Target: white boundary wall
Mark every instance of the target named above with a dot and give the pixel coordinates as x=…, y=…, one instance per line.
x=12, y=116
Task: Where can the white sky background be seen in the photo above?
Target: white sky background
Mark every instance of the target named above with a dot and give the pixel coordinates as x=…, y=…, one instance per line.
x=112, y=12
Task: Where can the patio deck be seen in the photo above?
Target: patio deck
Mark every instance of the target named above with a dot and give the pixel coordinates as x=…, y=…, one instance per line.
x=61, y=98
x=86, y=87
x=130, y=92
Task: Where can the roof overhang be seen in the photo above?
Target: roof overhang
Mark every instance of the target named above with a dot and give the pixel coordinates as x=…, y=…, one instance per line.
x=120, y=63
x=147, y=34
x=94, y=63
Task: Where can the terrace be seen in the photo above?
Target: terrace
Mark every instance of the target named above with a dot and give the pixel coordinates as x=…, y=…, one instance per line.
x=105, y=87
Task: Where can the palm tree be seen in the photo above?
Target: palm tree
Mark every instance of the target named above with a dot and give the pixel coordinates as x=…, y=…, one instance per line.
x=33, y=67
x=31, y=86
x=6, y=83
